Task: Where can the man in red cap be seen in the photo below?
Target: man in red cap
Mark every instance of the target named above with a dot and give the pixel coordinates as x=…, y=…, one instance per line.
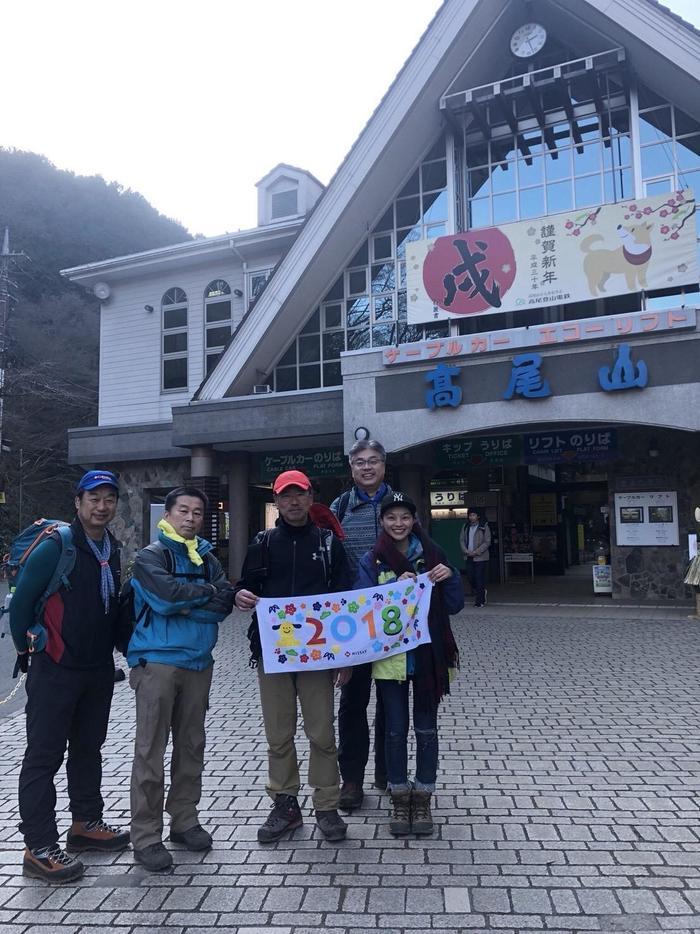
x=296, y=559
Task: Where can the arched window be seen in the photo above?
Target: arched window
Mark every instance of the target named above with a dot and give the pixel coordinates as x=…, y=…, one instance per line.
x=217, y=321
x=174, y=339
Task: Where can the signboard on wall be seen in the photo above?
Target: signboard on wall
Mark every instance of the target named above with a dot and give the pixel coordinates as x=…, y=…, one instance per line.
x=570, y=447
x=329, y=462
x=614, y=249
x=646, y=518
x=478, y=452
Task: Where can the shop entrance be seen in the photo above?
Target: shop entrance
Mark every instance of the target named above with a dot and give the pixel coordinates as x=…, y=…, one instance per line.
x=547, y=522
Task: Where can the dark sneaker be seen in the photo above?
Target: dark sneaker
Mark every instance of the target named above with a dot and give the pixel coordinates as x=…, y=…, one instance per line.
x=196, y=838
x=285, y=815
x=400, y=823
x=52, y=864
x=331, y=825
x=95, y=835
x=380, y=782
x=351, y=796
x=421, y=816
x=154, y=858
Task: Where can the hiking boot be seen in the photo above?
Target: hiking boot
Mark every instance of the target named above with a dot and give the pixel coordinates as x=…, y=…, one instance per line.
x=331, y=825
x=95, y=835
x=52, y=864
x=421, y=817
x=351, y=796
x=154, y=858
x=285, y=815
x=400, y=823
x=196, y=838
x=380, y=781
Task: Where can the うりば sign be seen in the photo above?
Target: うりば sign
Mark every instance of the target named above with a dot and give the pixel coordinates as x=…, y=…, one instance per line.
x=613, y=249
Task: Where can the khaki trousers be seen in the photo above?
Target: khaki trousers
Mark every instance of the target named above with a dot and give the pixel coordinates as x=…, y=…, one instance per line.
x=278, y=696
x=167, y=699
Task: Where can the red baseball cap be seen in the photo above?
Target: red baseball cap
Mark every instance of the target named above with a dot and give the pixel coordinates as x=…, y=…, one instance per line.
x=291, y=478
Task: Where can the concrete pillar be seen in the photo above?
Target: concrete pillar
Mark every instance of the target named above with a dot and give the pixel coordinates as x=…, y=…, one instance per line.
x=239, y=509
x=412, y=482
x=201, y=462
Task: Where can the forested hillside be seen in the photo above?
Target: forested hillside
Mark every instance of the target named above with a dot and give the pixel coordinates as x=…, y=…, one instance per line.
x=58, y=220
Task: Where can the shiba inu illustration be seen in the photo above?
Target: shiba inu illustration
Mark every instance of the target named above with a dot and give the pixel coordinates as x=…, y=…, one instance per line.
x=630, y=259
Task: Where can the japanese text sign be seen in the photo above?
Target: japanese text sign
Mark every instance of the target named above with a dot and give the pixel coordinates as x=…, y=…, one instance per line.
x=614, y=249
x=558, y=333
x=327, y=463
x=478, y=452
x=592, y=444
x=342, y=629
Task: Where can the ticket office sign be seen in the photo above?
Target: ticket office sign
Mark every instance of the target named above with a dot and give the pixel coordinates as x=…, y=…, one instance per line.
x=342, y=629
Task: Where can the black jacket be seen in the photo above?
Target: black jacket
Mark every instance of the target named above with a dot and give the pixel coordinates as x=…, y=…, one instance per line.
x=290, y=563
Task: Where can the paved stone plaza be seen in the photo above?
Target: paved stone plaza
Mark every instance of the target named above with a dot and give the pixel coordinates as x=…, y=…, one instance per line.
x=567, y=801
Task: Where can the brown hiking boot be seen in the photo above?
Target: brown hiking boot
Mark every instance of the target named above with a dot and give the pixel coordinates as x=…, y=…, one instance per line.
x=421, y=817
x=400, y=823
x=95, y=835
x=52, y=864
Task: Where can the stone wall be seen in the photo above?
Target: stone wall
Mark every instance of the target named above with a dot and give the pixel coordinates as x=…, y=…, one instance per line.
x=649, y=573
x=136, y=480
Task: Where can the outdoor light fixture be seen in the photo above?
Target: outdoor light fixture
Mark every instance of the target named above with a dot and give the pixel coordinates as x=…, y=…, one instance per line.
x=653, y=448
x=238, y=293
x=148, y=308
x=361, y=433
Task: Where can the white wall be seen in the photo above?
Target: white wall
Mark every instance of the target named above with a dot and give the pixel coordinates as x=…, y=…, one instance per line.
x=130, y=341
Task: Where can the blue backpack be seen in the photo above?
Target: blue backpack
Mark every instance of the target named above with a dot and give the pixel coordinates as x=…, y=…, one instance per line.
x=13, y=565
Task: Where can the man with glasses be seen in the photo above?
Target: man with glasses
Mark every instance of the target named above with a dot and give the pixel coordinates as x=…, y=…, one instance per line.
x=296, y=559
x=357, y=511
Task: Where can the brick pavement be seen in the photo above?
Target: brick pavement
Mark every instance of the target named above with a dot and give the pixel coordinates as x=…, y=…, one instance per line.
x=567, y=802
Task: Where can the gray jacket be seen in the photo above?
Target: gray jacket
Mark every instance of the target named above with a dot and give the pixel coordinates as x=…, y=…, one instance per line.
x=360, y=524
x=482, y=541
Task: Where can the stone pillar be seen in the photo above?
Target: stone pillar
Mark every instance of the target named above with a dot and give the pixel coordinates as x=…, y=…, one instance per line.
x=414, y=485
x=239, y=509
x=201, y=462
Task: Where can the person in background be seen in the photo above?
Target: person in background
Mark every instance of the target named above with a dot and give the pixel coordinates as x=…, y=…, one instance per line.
x=357, y=511
x=403, y=551
x=296, y=559
x=69, y=684
x=475, y=541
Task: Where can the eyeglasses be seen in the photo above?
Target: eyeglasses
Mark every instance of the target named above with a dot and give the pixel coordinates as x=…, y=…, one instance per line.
x=370, y=462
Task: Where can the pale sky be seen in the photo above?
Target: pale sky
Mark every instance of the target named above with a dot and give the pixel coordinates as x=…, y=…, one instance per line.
x=191, y=103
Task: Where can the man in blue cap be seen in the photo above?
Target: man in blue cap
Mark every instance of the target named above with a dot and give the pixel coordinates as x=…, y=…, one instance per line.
x=71, y=637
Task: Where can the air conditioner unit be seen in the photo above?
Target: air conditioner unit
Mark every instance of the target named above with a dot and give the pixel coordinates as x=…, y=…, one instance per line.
x=261, y=389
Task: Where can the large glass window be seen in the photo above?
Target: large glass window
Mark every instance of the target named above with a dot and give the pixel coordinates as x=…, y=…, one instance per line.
x=284, y=203
x=367, y=305
x=568, y=164
x=217, y=322
x=670, y=146
x=174, y=339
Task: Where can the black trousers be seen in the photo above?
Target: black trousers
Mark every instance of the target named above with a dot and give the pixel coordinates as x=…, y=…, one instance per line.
x=476, y=574
x=353, y=729
x=65, y=707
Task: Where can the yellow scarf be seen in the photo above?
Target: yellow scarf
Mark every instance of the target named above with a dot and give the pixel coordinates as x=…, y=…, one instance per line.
x=191, y=543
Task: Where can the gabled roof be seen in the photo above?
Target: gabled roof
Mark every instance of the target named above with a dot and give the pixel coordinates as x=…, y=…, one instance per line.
x=663, y=50
x=279, y=170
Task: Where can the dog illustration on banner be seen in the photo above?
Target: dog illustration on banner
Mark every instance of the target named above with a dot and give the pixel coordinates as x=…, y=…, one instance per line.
x=630, y=259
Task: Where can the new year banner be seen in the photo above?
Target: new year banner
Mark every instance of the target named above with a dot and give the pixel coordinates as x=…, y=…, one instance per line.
x=342, y=629
x=612, y=249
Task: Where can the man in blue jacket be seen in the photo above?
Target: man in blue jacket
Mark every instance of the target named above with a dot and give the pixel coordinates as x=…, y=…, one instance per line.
x=180, y=596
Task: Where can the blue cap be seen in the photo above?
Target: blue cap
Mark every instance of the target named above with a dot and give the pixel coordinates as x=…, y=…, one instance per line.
x=94, y=478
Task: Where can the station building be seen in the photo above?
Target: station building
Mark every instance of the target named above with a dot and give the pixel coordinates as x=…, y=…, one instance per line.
x=499, y=283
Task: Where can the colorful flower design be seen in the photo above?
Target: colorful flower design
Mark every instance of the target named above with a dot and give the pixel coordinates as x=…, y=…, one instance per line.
x=282, y=659
x=299, y=617
x=377, y=646
x=353, y=607
x=290, y=609
x=315, y=655
x=303, y=659
x=281, y=614
x=317, y=606
x=335, y=607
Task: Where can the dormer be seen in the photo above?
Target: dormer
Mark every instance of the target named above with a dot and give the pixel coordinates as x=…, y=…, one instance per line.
x=285, y=193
